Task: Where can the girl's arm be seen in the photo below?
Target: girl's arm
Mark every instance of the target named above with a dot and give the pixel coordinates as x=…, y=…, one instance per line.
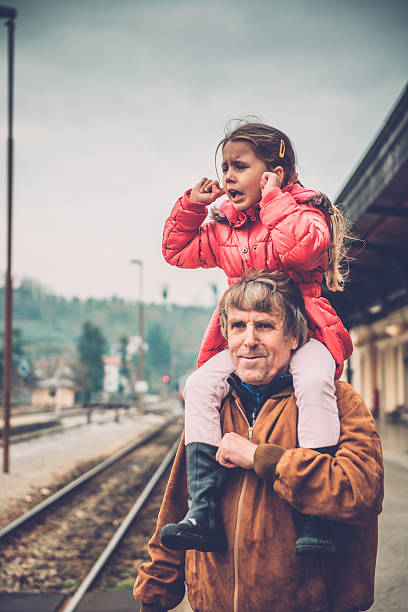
x=187, y=243
x=299, y=233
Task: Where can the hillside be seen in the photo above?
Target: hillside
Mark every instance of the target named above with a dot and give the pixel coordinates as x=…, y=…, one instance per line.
x=51, y=324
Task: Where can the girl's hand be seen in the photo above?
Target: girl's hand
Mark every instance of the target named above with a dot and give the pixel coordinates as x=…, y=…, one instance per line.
x=270, y=180
x=206, y=191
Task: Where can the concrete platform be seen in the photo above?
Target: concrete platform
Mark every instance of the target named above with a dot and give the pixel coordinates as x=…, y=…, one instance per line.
x=25, y=424
x=117, y=601
x=394, y=440
x=111, y=601
x=95, y=601
x=31, y=602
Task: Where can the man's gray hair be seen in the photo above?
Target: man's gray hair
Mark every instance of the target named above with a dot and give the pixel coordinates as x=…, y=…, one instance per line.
x=271, y=292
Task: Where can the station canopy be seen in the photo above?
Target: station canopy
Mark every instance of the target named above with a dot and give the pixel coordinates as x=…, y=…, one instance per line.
x=375, y=199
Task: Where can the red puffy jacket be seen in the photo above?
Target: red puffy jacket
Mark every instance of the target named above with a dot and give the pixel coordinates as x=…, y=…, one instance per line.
x=282, y=232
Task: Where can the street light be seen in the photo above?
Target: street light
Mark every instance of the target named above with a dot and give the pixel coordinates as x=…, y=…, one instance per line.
x=141, y=373
x=9, y=13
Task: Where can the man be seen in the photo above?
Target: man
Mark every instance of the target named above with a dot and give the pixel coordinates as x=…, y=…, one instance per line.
x=275, y=484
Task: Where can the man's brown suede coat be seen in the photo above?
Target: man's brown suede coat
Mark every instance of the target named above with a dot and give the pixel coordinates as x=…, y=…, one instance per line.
x=260, y=571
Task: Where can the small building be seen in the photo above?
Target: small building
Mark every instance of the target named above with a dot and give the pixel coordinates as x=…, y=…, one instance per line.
x=55, y=393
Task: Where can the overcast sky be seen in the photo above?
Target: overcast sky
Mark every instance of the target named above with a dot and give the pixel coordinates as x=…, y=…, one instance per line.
x=120, y=105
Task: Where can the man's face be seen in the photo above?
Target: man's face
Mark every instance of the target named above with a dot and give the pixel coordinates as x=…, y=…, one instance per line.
x=258, y=346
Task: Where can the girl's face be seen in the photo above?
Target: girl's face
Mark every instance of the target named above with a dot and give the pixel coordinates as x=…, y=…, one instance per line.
x=241, y=174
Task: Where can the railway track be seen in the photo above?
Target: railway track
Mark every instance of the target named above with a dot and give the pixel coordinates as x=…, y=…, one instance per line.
x=85, y=560
x=73, y=602
x=75, y=484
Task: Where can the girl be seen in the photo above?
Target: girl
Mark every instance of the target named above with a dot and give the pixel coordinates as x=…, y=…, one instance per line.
x=270, y=221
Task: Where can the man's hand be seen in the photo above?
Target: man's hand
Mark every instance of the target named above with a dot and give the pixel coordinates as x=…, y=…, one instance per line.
x=270, y=180
x=236, y=451
x=206, y=191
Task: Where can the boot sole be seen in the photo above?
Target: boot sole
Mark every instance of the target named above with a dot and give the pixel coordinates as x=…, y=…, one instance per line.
x=307, y=549
x=181, y=541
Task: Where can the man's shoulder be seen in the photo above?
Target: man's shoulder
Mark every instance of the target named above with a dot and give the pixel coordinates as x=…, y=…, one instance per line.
x=345, y=391
x=348, y=399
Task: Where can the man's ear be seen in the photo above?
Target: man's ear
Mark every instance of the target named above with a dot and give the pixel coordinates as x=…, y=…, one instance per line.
x=294, y=344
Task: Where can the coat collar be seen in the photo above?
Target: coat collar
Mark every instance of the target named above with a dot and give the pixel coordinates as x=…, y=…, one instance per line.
x=239, y=218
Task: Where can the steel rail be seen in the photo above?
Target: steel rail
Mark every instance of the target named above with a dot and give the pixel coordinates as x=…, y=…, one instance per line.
x=81, y=479
x=103, y=558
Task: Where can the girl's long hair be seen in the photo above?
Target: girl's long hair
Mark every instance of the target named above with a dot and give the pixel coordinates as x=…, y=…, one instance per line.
x=275, y=149
x=338, y=260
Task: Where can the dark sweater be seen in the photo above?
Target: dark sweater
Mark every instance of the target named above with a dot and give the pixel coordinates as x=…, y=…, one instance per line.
x=253, y=397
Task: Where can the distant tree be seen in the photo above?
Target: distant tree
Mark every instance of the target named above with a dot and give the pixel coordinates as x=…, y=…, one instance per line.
x=158, y=356
x=79, y=376
x=124, y=372
x=91, y=347
x=21, y=367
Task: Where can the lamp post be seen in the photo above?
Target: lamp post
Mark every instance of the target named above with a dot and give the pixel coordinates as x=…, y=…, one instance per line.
x=9, y=13
x=141, y=373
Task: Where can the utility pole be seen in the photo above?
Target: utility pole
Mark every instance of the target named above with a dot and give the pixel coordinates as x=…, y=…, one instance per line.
x=9, y=13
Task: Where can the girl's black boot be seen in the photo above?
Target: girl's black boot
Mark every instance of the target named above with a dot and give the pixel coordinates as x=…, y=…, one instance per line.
x=317, y=533
x=201, y=528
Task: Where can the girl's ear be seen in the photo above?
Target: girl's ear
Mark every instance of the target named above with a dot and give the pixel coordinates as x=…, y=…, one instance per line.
x=280, y=172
